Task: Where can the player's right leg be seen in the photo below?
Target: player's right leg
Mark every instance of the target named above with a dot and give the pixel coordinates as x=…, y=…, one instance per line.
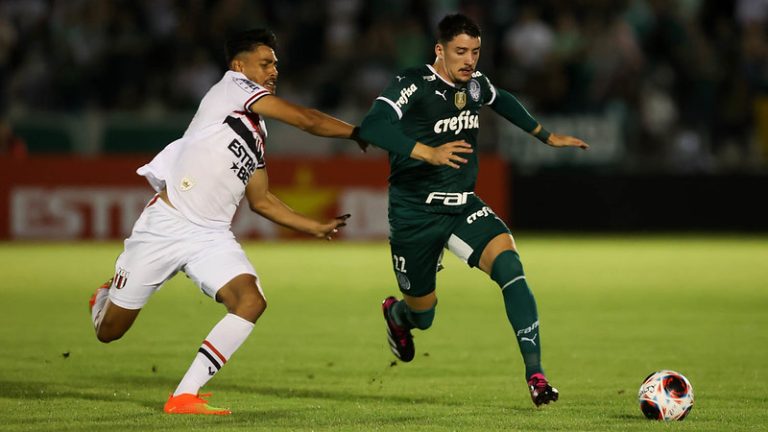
x=245, y=303
x=404, y=315
x=416, y=250
x=223, y=272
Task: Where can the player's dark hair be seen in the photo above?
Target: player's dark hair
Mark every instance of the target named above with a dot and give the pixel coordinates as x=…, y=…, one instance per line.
x=248, y=40
x=454, y=25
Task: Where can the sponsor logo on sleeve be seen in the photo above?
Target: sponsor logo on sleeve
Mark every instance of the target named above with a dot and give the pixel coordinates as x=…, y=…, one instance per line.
x=405, y=95
x=246, y=84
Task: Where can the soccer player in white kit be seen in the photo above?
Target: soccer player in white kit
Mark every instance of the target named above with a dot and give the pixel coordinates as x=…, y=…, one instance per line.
x=200, y=179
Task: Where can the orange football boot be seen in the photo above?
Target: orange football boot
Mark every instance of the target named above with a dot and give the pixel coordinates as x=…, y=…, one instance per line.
x=187, y=403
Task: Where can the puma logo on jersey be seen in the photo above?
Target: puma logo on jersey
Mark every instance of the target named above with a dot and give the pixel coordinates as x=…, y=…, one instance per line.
x=405, y=94
x=449, y=198
x=442, y=95
x=531, y=340
x=456, y=124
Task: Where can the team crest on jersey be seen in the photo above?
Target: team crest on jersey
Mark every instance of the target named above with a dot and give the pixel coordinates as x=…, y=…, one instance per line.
x=460, y=99
x=121, y=278
x=474, y=90
x=186, y=184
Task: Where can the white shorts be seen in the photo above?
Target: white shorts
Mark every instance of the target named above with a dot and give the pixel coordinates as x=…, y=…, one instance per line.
x=164, y=242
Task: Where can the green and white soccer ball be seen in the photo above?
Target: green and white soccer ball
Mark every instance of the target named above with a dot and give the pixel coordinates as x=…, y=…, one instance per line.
x=666, y=395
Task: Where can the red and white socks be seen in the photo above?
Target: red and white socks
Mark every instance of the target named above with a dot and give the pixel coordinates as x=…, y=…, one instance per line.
x=223, y=340
x=97, y=303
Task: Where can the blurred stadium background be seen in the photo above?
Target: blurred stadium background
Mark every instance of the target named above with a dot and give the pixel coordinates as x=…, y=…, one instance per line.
x=672, y=96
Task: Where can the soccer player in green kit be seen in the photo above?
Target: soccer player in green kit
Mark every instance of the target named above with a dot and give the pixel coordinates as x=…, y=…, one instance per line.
x=427, y=119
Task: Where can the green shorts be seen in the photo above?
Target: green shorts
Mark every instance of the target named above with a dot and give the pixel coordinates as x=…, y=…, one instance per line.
x=417, y=240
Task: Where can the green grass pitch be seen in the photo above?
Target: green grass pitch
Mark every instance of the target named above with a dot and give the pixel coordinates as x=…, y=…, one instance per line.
x=612, y=310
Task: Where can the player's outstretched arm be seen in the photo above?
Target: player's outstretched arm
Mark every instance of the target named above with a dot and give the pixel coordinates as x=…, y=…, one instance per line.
x=263, y=202
x=557, y=140
x=307, y=119
x=511, y=109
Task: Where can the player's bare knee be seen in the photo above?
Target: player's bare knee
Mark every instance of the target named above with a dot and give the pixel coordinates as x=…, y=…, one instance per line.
x=251, y=306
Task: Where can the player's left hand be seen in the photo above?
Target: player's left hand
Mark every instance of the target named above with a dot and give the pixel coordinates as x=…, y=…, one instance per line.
x=360, y=142
x=556, y=140
x=330, y=228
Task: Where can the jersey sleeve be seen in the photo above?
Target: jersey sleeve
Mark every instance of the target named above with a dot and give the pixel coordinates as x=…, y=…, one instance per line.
x=507, y=105
x=243, y=92
x=381, y=128
x=402, y=93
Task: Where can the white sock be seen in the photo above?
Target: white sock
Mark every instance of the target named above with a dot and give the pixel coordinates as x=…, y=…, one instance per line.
x=98, y=307
x=225, y=338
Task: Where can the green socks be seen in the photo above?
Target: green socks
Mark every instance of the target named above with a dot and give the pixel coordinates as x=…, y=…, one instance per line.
x=507, y=271
x=406, y=317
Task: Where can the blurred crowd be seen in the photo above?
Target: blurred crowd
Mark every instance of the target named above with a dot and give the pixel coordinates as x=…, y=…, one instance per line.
x=690, y=77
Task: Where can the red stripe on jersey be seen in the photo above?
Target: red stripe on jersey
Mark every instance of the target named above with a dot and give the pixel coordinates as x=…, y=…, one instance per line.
x=258, y=95
x=153, y=200
x=215, y=351
x=254, y=120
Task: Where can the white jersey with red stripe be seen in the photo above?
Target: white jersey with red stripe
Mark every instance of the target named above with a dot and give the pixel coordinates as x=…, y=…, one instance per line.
x=205, y=171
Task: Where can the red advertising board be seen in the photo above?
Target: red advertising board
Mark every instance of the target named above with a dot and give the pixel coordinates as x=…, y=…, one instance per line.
x=63, y=198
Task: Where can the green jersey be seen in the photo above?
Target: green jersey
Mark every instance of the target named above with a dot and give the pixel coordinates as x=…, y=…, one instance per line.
x=434, y=111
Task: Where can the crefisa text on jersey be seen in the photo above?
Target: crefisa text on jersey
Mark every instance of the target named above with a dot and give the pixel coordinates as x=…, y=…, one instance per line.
x=405, y=94
x=463, y=121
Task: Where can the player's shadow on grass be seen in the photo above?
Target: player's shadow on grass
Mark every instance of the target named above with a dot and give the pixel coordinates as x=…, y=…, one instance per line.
x=42, y=391
x=262, y=414
x=304, y=393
